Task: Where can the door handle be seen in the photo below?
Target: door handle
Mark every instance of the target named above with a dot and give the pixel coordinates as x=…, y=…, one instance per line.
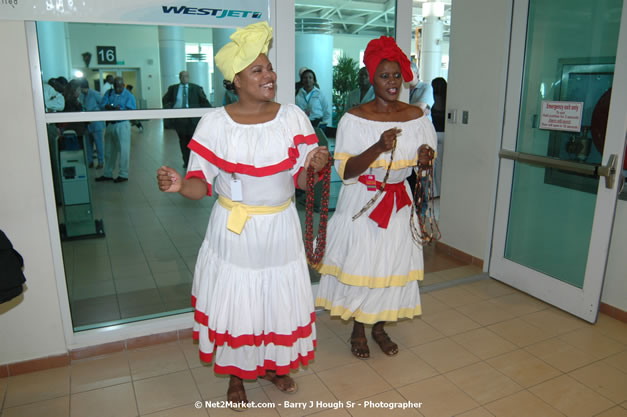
x=608, y=171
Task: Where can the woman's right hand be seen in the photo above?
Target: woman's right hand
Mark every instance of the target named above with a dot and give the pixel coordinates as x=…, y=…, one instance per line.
x=388, y=139
x=169, y=180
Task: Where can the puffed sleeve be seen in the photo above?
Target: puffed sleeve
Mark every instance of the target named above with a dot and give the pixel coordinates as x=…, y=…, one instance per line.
x=305, y=140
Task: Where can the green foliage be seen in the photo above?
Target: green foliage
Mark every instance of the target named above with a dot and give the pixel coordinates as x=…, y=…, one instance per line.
x=345, y=78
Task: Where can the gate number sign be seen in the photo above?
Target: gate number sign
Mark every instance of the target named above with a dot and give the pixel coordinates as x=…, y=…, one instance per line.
x=106, y=55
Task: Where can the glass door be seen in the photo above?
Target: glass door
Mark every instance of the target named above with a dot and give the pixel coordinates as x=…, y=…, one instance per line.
x=565, y=118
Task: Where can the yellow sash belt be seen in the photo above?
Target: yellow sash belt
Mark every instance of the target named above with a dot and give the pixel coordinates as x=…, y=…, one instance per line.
x=241, y=212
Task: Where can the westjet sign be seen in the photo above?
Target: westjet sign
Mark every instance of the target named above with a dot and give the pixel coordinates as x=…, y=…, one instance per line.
x=217, y=13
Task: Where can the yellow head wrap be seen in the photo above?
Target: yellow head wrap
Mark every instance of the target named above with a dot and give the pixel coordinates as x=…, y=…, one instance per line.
x=245, y=46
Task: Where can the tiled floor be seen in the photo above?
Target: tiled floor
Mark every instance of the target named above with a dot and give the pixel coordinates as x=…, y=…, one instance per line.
x=143, y=267
x=480, y=349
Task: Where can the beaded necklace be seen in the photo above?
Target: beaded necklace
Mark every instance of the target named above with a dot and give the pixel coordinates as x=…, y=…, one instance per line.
x=314, y=257
x=420, y=190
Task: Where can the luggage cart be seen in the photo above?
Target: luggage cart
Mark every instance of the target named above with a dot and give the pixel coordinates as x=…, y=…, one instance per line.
x=78, y=216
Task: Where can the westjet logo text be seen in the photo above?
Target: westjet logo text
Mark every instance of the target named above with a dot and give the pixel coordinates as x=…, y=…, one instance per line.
x=217, y=13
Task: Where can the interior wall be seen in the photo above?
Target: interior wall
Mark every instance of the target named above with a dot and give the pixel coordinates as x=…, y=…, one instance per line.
x=30, y=325
x=476, y=83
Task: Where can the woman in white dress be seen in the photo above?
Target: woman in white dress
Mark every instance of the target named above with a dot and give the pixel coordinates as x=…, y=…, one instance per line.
x=371, y=266
x=254, y=314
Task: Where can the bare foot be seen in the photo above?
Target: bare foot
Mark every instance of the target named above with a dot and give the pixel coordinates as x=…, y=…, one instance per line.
x=236, y=394
x=284, y=383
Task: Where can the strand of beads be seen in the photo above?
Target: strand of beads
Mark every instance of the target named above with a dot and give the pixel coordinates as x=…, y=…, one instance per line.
x=314, y=256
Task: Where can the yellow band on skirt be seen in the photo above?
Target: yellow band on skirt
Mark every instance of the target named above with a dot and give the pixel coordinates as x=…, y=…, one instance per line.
x=241, y=212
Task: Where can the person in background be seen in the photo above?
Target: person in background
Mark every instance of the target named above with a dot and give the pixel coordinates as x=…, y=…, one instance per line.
x=364, y=92
x=53, y=99
x=107, y=84
x=372, y=265
x=137, y=123
x=312, y=101
x=254, y=313
x=117, y=133
x=421, y=92
x=93, y=101
x=183, y=96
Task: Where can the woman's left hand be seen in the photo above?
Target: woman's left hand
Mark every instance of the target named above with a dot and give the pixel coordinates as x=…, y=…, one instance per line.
x=317, y=158
x=425, y=155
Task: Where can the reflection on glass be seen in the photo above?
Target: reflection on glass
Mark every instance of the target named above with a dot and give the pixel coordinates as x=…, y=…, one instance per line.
x=129, y=250
x=149, y=58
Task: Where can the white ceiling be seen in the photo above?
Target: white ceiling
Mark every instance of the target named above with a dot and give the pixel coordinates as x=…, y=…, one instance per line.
x=365, y=17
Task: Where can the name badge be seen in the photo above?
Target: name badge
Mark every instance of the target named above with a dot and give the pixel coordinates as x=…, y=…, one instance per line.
x=371, y=183
x=236, y=190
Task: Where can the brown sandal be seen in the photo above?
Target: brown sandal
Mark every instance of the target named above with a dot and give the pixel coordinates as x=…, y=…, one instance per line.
x=284, y=383
x=359, y=347
x=236, y=395
x=385, y=343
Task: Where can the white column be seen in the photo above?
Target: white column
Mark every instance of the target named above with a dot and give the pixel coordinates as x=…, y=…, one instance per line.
x=199, y=74
x=432, y=33
x=53, y=51
x=171, y=55
x=220, y=38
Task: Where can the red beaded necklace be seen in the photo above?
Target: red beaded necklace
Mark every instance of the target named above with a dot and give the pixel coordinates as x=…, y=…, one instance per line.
x=314, y=257
x=421, y=190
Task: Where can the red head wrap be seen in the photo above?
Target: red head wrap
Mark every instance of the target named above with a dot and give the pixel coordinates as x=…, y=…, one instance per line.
x=386, y=48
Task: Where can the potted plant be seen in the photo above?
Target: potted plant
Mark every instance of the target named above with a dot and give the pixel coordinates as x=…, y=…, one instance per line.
x=345, y=77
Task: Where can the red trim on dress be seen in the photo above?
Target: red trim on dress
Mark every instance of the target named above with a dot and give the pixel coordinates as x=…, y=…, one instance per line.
x=288, y=163
x=220, y=339
x=268, y=365
x=296, y=177
x=201, y=175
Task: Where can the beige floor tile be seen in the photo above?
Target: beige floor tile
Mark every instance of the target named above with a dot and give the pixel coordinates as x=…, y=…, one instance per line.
x=353, y=381
x=378, y=405
x=484, y=312
x=58, y=407
x=445, y=355
x=521, y=404
x=439, y=397
x=554, y=321
x=450, y=322
x=115, y=401
x=323, y=332
x=611, y=327
x=341, y=328
x=166, y=391
x=100, y=372
x=455, y=296
x=401, y=369
x=518, y=304
x=477, y=412
x=156, y=360
x=3, y=389
x=571, y=397
x=37, y=386
x=212, y=386
x=489, y=288
x=560, y=354
x=618, y=361
x=432, y=305
x=460, y=272
x=604, y=379
x=482, y=382
x=520, y=332
x=524, y=368
x=190, y=350
x=593, y=342
x=255, y=395
x=310, y=391
x=614, y=412
x=484, y=343
x=188, y=410
x=332, y=353
x=410, y=333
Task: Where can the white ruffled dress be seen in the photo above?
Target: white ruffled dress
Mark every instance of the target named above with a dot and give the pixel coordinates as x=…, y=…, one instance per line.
x=251, y=292
x=368, y=272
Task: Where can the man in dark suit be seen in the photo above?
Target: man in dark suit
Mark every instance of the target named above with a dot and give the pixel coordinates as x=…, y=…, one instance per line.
x=181, y=96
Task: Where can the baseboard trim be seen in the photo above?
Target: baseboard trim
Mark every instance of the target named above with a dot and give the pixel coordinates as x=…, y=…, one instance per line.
x=57, y=361
x=456, y=253
x=613, y=312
